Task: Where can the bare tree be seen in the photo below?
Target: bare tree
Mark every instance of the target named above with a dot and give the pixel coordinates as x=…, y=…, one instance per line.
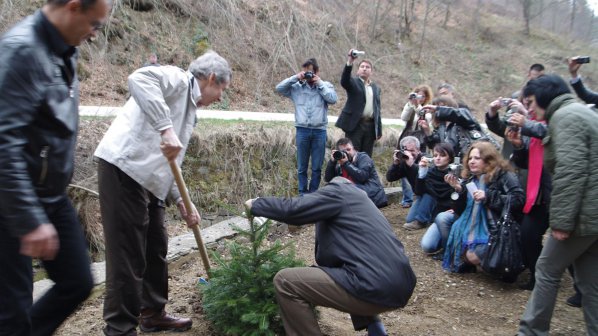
x=424, y=25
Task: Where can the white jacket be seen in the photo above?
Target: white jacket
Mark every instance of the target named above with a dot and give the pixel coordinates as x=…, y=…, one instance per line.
x=161, y=97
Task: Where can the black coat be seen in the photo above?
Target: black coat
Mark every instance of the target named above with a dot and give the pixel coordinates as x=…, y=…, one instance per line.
x=353, y=109
x=355, y=244
x=504, y=183
x=364, y=175
x=39, y=120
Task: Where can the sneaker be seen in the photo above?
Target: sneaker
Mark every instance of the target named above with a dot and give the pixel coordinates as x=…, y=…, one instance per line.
x=405, y=205
x=574, y=300
x=413, y=225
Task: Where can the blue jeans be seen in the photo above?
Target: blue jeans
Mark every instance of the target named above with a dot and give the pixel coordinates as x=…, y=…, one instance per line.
x=407, y=192
x=422, y=209
x=437, y=234
x=310, y=142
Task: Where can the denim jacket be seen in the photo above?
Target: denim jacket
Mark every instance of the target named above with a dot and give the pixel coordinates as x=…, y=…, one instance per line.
x=311, y=102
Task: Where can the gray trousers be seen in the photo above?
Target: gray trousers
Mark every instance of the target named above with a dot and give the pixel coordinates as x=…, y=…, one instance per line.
x=300, y=288
x=556, y=255
x=136, y=246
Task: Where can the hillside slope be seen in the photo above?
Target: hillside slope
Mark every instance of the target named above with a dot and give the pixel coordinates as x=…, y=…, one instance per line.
x=267, y=40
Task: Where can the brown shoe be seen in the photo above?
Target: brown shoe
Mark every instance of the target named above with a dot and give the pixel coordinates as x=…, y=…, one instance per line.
x=151, y=321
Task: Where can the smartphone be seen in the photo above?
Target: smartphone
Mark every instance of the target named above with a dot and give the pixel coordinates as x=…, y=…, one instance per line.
x=582, y=59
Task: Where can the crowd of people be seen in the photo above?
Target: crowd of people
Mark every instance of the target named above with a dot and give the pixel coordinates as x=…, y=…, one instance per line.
x=457, y=182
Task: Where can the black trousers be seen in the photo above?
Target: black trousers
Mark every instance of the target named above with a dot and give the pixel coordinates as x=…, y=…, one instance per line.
x=363, y=137
x=136, y=246
x=69, y=270
x=533, y=227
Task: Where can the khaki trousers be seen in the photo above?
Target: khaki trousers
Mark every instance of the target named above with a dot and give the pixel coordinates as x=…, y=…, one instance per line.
x=300, y=288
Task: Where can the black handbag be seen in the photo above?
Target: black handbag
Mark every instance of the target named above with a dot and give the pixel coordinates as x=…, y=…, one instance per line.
x=503, y=254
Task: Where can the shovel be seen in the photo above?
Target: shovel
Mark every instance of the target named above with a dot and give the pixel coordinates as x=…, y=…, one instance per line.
x=176, y=171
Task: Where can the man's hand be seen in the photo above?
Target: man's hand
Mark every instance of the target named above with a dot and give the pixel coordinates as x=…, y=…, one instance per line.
x=573, y=66
x=170, y=146
x=351, y=59
x=430, y=108
x=517, y=119
x=560, y=235
x=410, y=158
x=41, y=243
x=192, y=218
x=494, y=107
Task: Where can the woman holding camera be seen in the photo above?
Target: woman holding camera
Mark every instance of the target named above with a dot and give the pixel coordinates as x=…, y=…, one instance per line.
x=413, y=112
x=488, y=182
x=434, y=195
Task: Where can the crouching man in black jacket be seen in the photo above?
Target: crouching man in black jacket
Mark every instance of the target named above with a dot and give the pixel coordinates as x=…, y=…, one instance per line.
x=361, y=267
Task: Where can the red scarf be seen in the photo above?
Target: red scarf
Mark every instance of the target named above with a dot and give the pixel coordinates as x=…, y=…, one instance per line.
x=535, y=158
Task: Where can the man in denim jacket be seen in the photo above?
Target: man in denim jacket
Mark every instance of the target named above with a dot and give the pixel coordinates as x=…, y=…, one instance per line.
x=311, y=96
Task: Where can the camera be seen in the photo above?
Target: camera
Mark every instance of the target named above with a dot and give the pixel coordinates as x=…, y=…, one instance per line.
x=400, y=154
x=339, y=155
x=505, y=102
x=414, y=95
x=455, y=167
x=308, y=75
x=355, y=53
x=582, y=59
x=511, y=126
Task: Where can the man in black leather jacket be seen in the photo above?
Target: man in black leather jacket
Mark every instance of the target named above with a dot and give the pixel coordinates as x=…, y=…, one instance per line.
x=39, y=98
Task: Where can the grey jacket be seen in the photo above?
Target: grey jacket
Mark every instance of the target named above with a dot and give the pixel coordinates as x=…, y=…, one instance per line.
x=355, y=244
x=571, y=155
x=160, y=98
x=311, y=103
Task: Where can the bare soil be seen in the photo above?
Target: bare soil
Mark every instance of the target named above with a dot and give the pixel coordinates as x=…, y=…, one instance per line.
x=442, y=304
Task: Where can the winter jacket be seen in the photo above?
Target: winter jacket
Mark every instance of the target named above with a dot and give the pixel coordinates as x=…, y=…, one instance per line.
x=584, y=93
x=355, y=244
x=434, y=185
x=353, y=109
x=571, y=156
x=363, y=173
x=311, y=102
x=39, y=121
x=504, y=183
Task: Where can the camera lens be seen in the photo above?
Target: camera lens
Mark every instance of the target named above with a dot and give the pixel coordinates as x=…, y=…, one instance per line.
x=338, y=155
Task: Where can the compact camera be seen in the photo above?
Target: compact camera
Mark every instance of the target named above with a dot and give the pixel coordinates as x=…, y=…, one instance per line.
x=505, y=102
x=339, y=155
x=455, y=167
x=355, y=53
x=414, y=95
x=308, y=75
x=582, y=59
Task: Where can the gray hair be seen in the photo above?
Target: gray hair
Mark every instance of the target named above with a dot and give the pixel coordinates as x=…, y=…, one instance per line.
x=409, y=139
x=446, y=86
x=211, y=63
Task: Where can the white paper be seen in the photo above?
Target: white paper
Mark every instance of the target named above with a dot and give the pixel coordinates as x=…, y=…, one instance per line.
x=471, y=187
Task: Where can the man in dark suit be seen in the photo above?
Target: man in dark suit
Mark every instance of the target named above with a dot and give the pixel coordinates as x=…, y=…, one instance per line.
x=360, y=118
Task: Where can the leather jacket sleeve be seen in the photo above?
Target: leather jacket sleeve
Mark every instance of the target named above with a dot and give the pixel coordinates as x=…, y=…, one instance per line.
x=460, y=116
x=495, y=125
x=20, y=206
x=588, y=96
x=330, y=171
x=506, y=184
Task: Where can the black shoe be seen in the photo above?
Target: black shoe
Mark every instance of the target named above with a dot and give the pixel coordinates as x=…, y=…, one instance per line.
x=528, y=285
x=574, y=300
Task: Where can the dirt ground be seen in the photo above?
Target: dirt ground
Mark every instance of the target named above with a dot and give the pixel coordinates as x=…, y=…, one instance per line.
x=442, y=304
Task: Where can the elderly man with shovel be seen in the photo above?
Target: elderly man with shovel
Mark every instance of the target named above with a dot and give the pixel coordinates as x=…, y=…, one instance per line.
x=135, y=181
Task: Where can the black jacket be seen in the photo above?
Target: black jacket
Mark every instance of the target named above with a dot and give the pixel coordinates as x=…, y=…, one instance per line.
x=353, y=109
x=38, y=122
x=398, y=171
x=355, y=244
x=364, y=175
x=588, y=96
x=434, y=185
x=503, y=184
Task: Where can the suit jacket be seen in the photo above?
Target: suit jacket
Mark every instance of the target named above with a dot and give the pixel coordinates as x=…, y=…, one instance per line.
x=353, y=109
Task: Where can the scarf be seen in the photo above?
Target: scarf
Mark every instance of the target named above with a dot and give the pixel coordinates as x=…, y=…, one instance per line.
x=468, y=231
x=535, y=158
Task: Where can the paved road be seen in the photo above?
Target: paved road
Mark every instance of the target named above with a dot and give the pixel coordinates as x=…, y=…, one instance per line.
x=105, y=111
